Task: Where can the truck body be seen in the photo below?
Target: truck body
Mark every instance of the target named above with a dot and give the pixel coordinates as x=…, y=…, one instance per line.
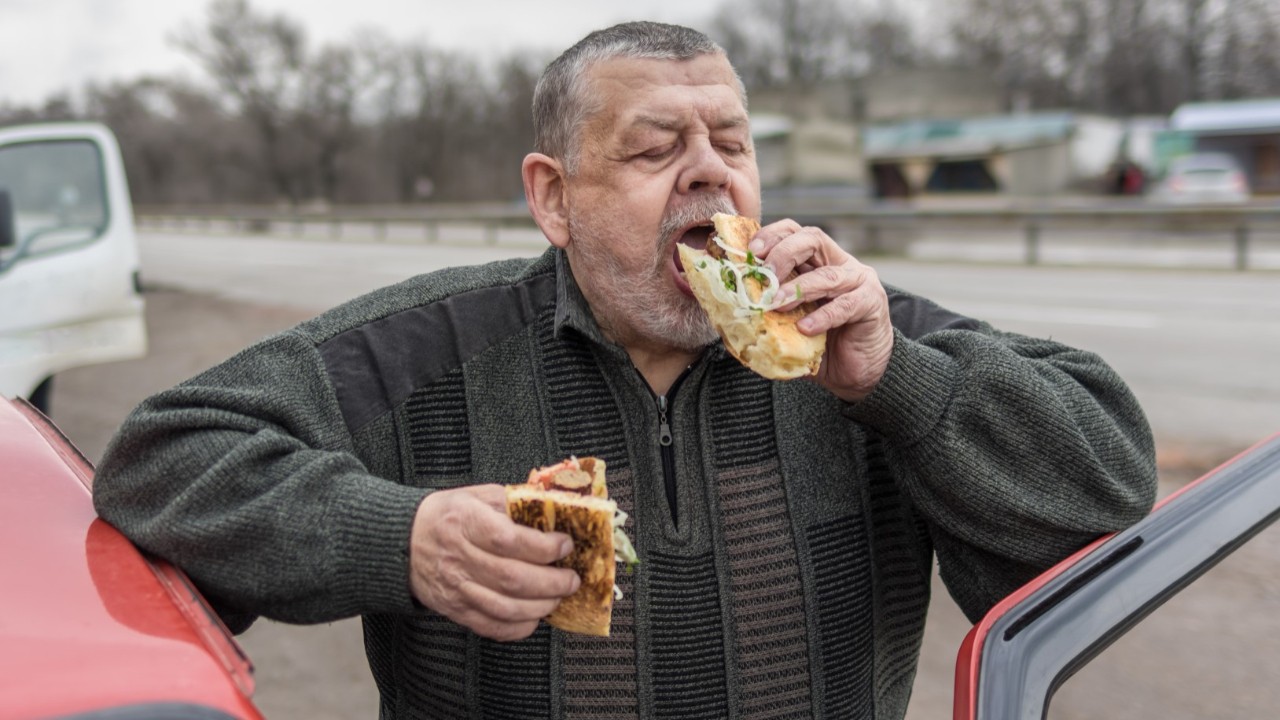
x=70, y=291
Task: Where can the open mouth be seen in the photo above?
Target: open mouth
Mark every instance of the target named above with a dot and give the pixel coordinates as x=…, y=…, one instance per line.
x=697, y=237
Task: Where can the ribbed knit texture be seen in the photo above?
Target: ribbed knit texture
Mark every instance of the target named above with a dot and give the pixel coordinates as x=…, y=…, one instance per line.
x=797, y=581
x=439, y=434
x=843, y=567
x=600, y=673
x=767, y=598
x=430, y=668
x=514, y=680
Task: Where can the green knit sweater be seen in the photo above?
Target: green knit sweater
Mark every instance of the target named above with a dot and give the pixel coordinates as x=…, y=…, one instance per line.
x=796, y=580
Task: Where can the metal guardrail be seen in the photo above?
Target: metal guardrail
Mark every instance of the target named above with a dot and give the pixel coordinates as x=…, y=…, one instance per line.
x=875, y=228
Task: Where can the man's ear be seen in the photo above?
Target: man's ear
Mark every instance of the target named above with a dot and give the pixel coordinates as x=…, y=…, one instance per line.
x=544, y=191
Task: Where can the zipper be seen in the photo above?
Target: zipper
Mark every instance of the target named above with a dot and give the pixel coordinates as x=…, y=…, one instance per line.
x=666, y=444
x=664, y=427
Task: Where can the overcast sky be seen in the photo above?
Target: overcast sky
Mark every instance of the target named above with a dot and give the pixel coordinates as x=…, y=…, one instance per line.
x=50, y=46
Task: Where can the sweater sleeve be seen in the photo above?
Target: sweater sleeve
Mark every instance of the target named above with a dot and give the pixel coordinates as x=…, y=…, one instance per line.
x=245, y=477
x=1016, y=451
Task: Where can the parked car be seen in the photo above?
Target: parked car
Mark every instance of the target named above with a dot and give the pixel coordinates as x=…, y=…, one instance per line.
x=1029, y=644
x=90, y=627
x=1203, y=178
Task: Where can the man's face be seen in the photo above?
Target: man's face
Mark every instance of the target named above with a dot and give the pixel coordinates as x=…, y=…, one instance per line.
x=668, y=147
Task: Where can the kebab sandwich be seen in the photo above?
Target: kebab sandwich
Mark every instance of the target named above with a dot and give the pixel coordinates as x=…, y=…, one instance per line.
x=571, y=497
x=738, y=293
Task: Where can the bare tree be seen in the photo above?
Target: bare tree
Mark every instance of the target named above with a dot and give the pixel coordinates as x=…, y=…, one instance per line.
x=1123, y=56
x=799, y=43
x=259, y=61
x=327, y=116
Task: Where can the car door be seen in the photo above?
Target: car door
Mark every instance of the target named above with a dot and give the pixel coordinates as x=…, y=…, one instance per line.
x=1027, y=646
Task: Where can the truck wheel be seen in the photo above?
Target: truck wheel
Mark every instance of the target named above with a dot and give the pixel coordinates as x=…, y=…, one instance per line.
x=42, y=394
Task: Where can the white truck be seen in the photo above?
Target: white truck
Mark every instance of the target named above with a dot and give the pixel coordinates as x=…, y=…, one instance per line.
x=70, y=291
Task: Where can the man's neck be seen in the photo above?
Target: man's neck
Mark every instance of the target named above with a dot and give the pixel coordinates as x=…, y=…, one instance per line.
x=660, y=366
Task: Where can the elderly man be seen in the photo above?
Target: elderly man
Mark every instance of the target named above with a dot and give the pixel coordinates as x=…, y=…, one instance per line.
x=786, y=530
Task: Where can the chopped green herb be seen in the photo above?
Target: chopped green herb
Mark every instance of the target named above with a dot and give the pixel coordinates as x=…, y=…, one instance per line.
x=730, y=282
x=751, y=258
x=702, y=265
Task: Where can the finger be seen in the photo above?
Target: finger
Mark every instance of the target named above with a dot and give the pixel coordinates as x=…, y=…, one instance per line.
x=771, y=235
x=493, y=628
x=847, y=309
x=497, y=534
x=517, y=579
x=487, y=603
x=807, y=245
x=827, y=281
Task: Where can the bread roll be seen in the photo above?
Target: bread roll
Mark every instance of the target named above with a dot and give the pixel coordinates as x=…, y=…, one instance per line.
x=735, y=293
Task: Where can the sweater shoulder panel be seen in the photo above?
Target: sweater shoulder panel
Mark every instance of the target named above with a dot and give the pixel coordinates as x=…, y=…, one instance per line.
x=379, y=348
x=916, y=317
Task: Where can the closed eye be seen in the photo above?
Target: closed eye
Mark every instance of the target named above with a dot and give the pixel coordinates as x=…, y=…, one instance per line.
x=658, y=153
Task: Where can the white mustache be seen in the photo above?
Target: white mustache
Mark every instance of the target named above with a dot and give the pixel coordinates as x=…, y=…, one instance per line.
x=701, y=208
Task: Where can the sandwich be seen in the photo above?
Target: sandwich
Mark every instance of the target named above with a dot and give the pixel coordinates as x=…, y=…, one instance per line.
x=738, y=293
x=571, y=497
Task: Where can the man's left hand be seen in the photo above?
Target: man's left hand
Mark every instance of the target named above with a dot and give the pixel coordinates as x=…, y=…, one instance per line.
x=853, y=308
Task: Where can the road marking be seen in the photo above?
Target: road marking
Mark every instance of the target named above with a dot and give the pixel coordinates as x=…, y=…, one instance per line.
x=1058, y=315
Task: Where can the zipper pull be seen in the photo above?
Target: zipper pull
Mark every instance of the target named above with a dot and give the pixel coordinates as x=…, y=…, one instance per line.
x=664, y=428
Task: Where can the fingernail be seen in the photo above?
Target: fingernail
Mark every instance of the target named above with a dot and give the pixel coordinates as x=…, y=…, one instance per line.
x=755, y=246
x=806, y=324
x=566, y=547
x=575, y=583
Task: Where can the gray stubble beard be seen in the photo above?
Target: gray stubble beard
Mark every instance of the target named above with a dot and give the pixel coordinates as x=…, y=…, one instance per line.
x=676, y=321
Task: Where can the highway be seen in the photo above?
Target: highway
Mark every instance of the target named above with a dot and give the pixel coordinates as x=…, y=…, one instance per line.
x=1199, y=347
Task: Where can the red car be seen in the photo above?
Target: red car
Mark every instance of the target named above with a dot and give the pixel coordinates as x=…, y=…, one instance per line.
x=91, y=628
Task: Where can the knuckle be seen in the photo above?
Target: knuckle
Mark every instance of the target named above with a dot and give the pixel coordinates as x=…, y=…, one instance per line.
x=508, y=579
x=500, y=608
x=503, y=540
x=829, y=274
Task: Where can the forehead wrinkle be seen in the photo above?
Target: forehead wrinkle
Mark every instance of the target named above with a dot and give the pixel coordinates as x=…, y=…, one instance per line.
x=673, y=124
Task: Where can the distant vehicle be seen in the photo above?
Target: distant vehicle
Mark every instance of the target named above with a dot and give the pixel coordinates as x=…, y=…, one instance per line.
x=1203, y=178
x=69, y=288
x=90, y=627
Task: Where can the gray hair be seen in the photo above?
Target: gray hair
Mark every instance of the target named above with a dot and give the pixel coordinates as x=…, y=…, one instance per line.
x=561, y=102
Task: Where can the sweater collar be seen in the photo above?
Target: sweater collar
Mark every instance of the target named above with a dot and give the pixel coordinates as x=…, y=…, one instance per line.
x=572, y=309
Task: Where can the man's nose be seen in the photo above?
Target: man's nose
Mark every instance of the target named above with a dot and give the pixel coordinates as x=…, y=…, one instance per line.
x=706, y=170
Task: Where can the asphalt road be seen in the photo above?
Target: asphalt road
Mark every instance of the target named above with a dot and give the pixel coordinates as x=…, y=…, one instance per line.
x=1197, y=347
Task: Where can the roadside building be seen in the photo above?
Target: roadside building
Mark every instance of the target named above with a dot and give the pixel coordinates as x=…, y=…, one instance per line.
x=1247, y=130
x=1025, y=154
x=810, y=142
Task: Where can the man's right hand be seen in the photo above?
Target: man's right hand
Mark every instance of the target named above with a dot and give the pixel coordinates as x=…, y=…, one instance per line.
x=469, y=562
